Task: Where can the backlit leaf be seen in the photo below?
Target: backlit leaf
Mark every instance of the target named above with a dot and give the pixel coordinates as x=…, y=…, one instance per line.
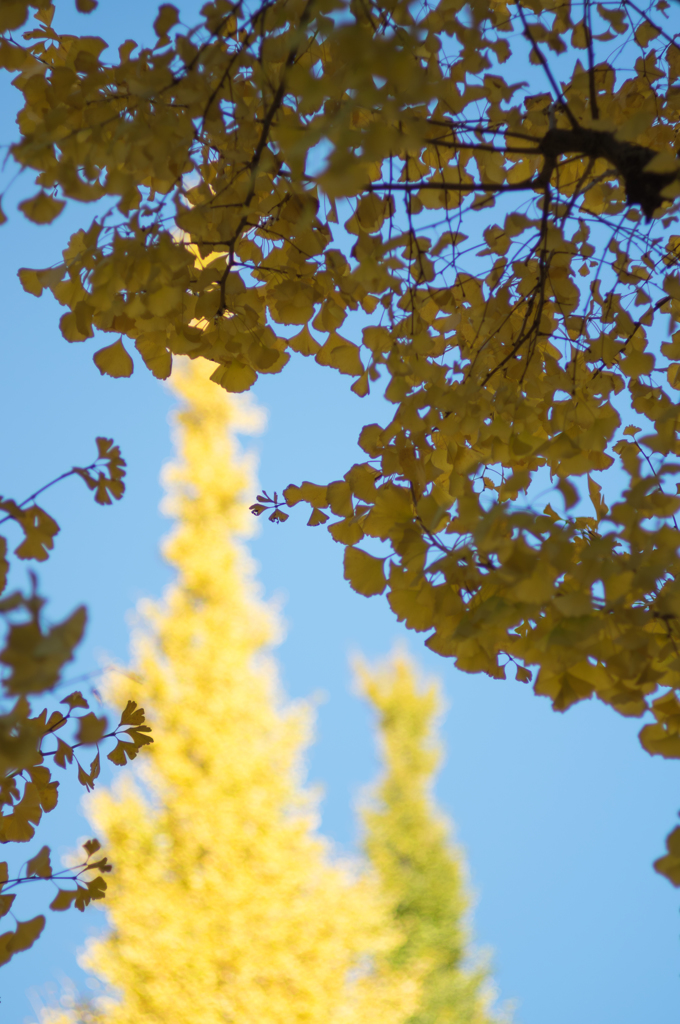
x=114, y=360
x=365, y=573
x=42, y=208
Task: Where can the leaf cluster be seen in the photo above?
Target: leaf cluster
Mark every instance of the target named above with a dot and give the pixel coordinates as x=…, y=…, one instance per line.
x=104, y=476
x=40, y=867
x=33, y=655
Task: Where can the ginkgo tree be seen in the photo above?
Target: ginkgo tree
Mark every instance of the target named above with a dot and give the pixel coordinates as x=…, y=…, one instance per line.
x=248, y=913
x=408, y=841
x=472, y=206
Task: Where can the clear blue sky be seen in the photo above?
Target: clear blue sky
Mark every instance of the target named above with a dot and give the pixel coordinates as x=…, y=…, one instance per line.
x=561, y=816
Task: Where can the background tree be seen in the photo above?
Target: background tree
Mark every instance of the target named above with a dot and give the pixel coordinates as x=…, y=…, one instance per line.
x=408, y=841
x=499, y=252
x=225, y=902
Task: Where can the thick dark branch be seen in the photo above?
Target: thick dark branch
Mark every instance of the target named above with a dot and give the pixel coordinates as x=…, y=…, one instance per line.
x=629, y=160
x=643, y=188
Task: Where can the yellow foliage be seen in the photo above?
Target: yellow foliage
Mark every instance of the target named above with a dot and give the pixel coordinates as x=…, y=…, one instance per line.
x=364, y=572
x=245, y=913
x=32, y=659
x=511, y=347
x=114, y=360
x=409, y=843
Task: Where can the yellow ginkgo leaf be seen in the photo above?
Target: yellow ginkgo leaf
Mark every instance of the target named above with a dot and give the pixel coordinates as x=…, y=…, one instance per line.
x=341, y=354
x=235, y=377
x=317, y=518
x=114, y=360
x=304, y=343
x=366, y=574
x=42, y=208
x=40, y=864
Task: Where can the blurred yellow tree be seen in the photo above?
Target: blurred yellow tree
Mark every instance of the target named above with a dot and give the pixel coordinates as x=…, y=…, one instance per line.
x=408, y=842
x=244, y=916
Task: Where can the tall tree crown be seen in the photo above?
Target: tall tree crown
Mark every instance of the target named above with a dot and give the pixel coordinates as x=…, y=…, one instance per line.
x=409, y=842
x=224, y=902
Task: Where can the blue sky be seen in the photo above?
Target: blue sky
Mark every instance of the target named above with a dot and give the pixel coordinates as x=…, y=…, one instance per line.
x=560, y=815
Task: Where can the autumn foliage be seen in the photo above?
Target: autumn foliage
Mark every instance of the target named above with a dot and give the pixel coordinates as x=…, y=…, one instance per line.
x=469, y=205
x=247, y=912
x=408, y=841
x=39, y=729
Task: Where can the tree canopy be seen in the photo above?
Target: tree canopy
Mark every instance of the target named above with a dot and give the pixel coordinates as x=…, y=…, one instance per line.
x=470, y=205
